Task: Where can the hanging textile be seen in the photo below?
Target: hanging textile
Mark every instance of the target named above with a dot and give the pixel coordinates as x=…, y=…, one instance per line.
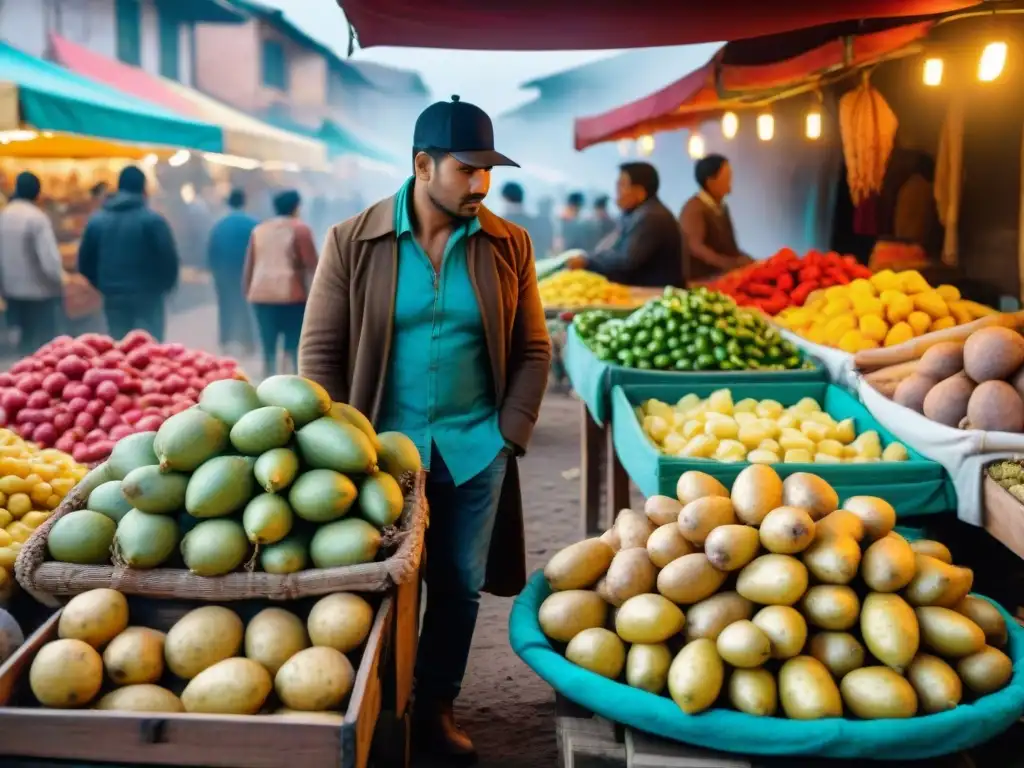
x=867, y=127
x=949, y=169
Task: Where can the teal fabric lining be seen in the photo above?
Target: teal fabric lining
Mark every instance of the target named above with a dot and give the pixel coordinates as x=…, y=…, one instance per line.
x=593, y=379
x=913, y=487
x=913, y=739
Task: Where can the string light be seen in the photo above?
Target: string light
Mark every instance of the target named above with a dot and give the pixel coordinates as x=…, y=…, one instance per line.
x=645, y=145
x=730, y=125
x=933, y=72
x=993, y=60
x=179, y=158
x=695, y=146
x=812, y=128
x=765, y=126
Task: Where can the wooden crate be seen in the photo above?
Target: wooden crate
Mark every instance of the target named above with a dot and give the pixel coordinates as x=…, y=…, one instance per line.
x=239, y=741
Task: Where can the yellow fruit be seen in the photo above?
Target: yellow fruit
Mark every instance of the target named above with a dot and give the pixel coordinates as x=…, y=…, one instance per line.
x=948, y=292
x=7, y=557
x=52, y=502
x=34, y=519
x=868, y=305
x=899, y=333
x=885, y=280
x=919, y=321
x=6, y=518
x=5, y=539
x=40, y=492
x=862, y=287
x=836, y=307
x=62, y=485
x=873, y=327
x=961, y=312
x=943, y=322
x=851, y=341
x=19, y=531
x=11, y=484
x=19, y=504
x=912, y=282
x=899, y=308
x=931, y=304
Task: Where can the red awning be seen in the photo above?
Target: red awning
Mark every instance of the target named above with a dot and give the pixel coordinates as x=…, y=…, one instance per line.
x=124, y=77
x=535, y=25
x=690, y=99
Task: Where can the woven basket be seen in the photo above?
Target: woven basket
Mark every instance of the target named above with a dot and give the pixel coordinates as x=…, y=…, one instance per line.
x=402, y=546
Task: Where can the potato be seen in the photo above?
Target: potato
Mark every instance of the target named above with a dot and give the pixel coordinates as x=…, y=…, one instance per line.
x=202, y=638
x=840, y=652
x=579, y=565
x=698, y=518
x=135, y=656
x=647, y=667
x=873, y=693
x=690, y=579
x=742, y=644
x=95, y=617
x=648, y=619
x=888, y=565
x=666, y=544
x=995, y=406
x=831, y=606
x=787, y=530
x=66, y=673
x=633, y=529
x=946, y=402
x=754, y=692
x=942, y=360
x=611, y=538
x=563, y=615
x=756, y=491
x=773, y=580
x=599, y=651
x=993, y=353
x=341, y=621
x=696, y=676
x=695, y=485
x=730, y=547
x=890, y=629
x=833, y=559
x=911, y=392
x=315, y=679
x=709, y=617
x=785, y=628
x=807, y=690
x=662, y=510
x=877, y=515
x=631, y=573
x=143, y=697
x=802, y=489
x=273, y=636
x=232, y=686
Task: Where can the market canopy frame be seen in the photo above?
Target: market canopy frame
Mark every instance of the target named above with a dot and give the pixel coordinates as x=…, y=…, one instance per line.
x=535, y=25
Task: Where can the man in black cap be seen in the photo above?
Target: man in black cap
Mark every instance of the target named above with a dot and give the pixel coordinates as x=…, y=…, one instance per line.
x=425, y=315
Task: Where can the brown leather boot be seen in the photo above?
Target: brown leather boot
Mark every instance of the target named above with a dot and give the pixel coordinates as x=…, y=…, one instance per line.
x=435, y=729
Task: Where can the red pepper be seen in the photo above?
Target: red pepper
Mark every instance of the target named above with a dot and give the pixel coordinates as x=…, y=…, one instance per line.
x=799, y=294
x=760, y=289
x=810, y=273
x=785, y=282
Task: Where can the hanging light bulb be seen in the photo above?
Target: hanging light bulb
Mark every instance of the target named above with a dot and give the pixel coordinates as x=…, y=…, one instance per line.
x=645, y=145
x=730, y=125
x=765, y=126
x=812, y=127
x=933, y=72
x=993, y=59
x=625, y=145
x=695, y=146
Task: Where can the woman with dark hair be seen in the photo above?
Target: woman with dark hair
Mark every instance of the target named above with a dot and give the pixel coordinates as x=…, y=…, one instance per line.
x=31, y=274
x=279, y=267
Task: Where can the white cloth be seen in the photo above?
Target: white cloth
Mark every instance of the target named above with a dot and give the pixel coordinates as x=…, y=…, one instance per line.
x=963, y=453
x=839, y=364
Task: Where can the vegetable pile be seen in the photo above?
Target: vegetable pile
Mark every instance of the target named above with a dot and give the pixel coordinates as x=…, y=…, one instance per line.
x=695, y=330
x=762, y=432
x=574, y=288
x=278, y=474
x=773, y=600
x=886, y=309
x=1010, y=475
x=972, y=384
x=278, y=663
x=786, y=279
x=82, y=395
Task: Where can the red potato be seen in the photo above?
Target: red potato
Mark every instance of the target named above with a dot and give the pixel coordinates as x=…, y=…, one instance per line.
x=178, y=408
x=49, y=362
x=150, y=387
x=175, y=350
x=38, y=399
x=22, y=366
x=120, y=431
x=138, y=358
x=45, y=435
x=62, y=422
x=173, y=383
x=94, y=376
x=77, y=405
x=29, y=382
x=98, y=451
x=107, y=390
x=155, y=400
x=158, y=372
x=149, y=423
x=85, y=421
x=25, y=430
x=96, y=434
x=79, y=452
x=6, y=380
x=197, y=383
x=131, y=417
x=95, y=408
x=13, y=400
x=4, y=419
x=73, y=366
x=65, y=443
x=134, y=339
x=132, y=386
x=74, y=390
x=30, y=416
x=60, y=341
x=122, y=403
x=109, y=419
x=54, y=383
x=97, y=341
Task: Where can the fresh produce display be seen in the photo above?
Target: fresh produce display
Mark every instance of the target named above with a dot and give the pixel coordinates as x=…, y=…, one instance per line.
x=574, y=288
x=695, y=330
x=786, y=279
x=33, y=482
x=276, y=476
x=209, y=661
x=972, y=384
x=814, y=609
x=1010, y=475
x=886, y=309
x=82, y=395
x=761, y=432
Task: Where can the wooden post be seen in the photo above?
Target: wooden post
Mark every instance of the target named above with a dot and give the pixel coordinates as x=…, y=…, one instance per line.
x=617, y=497
x=591, y=450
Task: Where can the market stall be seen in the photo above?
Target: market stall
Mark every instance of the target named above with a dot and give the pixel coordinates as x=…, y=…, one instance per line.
x=226, y=527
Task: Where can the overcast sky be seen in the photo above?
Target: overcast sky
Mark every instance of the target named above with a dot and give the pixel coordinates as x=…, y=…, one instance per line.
x=486, y=78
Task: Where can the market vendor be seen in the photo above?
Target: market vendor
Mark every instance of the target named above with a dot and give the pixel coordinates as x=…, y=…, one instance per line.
x=457, y=359
x=646, y=248
x=709, y=239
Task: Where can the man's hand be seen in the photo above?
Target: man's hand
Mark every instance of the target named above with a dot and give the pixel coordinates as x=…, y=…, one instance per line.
x=575, y=259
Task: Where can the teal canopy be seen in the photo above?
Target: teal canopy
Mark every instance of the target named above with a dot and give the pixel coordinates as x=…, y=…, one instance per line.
x=339, y=141
x=52, y=98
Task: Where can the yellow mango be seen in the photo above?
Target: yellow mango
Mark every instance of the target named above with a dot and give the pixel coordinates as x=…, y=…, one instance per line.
x=898, y=333
x=961, y=312
x=931, y=304
x=943, y=323
x=7, y=558
x=34, y=519
x=912, y=282
x=6, y=518
x=884, y=280
x=837, y=307
x=873, y=328
x=868, y=305
x=19, y=504
x=899, y=309
x=920, y=322
x=53, y=501
x=40, y=492
x=948, y=292
x=861, y=287
x=5, y=538
x=19, y=531
x=62, y=485
x=852, y=341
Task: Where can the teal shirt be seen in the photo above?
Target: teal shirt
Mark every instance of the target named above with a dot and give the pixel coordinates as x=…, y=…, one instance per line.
x=439, y=388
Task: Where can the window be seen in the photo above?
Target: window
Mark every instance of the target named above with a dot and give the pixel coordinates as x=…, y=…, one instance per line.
x=170, y=44
x=129, y=31
x=275, y=66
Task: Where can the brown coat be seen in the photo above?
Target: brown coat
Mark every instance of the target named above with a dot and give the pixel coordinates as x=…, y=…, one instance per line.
x=288, y=244
x=346, y=341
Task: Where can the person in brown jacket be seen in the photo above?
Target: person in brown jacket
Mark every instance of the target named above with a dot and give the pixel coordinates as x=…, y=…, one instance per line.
x=709, y=239
x=279, y=264
x=425, y=315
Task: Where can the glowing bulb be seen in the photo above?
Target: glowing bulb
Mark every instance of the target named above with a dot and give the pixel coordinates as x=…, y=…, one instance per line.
x=933, y=72
x=765, y=127
x=645, y=145
x=695, y=147
x=179, y=158
x=624, y=146
x=730, y=125
x=993, y=59
x=813, y=126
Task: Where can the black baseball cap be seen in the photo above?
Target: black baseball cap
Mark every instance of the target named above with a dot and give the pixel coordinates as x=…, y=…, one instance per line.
x=462, y=130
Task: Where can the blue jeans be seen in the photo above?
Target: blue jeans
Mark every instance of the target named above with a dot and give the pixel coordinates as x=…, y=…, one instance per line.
x=458, y=540
x=274, y=321
x=129, y=313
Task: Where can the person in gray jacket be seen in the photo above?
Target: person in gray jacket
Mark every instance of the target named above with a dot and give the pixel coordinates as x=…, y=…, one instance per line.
x=31, y=273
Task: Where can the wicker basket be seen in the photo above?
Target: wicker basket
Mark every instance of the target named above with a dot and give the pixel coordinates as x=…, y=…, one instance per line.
x=47, y=580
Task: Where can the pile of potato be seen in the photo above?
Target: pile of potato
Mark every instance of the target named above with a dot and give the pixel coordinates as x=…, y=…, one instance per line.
x=775, y=596
x=209, y=661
